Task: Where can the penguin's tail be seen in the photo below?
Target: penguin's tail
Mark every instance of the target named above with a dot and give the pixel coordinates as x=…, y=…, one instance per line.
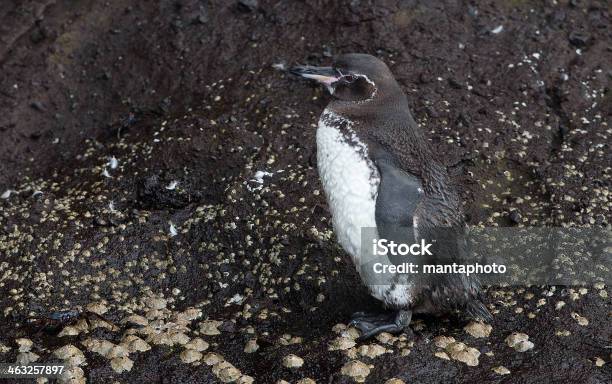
x=475, y=309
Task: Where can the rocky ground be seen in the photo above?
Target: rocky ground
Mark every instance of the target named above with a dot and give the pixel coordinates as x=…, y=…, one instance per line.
x=158, y=178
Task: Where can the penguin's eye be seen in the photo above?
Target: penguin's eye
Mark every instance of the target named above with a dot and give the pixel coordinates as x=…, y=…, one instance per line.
x=348, y=78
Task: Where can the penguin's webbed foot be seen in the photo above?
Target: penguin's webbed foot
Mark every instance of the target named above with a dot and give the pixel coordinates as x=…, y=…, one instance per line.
x=371, y=325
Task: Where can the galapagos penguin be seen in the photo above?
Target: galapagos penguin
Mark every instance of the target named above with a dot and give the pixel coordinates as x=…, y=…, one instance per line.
x=378, y=171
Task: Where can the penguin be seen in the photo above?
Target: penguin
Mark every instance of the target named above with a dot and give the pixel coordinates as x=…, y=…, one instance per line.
x=379, y=173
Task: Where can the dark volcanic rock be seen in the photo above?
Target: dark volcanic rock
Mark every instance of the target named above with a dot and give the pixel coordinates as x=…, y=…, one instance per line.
x=515, y=217
x=153, y=193
x=248, y=5
x=579, y=39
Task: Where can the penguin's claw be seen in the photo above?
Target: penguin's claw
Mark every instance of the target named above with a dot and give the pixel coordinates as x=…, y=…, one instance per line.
x=371, y=325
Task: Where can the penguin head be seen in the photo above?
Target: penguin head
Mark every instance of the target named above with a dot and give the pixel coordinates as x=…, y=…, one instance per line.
x=353, y=77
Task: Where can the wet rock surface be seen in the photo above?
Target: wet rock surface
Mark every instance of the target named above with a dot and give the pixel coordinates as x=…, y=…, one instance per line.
x=204, y=253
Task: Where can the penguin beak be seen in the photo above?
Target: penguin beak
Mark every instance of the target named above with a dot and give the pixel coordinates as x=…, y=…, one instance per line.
x=324, y=75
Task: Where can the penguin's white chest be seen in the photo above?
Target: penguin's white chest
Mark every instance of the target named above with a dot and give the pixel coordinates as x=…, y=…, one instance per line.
x=350, y=180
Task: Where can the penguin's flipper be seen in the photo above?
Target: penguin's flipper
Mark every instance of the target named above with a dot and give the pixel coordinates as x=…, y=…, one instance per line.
x=399, y=195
